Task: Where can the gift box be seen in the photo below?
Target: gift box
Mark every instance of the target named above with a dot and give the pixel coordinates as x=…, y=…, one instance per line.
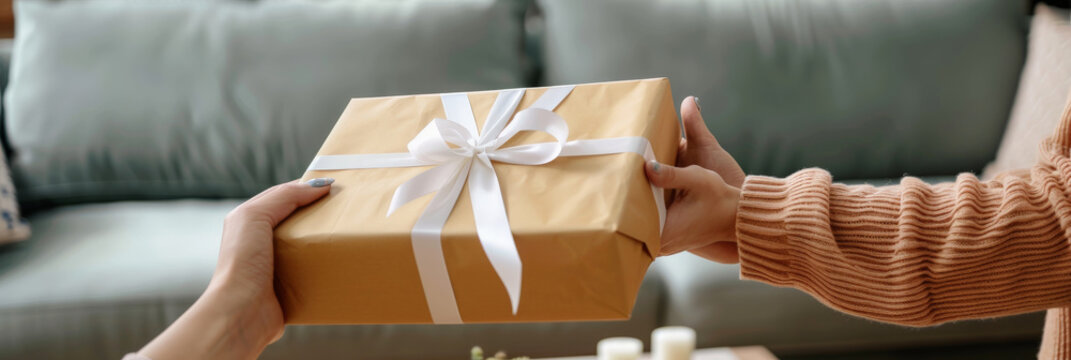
x=516, y=205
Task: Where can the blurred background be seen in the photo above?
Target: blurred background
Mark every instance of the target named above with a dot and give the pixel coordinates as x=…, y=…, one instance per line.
x=131, y=127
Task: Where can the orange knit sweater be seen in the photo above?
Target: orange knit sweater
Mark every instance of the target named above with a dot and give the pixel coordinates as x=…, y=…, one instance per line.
x=918, y=254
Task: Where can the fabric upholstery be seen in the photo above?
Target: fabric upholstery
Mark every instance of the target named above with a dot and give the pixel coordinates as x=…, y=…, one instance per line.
x=1043, y=91
x=100, y=280
x=861, y=88
x=113, y=100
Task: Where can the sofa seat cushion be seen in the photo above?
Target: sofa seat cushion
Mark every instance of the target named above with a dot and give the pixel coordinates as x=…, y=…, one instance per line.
x=99, y=253
x=100, y=280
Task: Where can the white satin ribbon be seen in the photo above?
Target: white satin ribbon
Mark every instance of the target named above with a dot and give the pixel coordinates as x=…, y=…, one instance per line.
x=470, y=159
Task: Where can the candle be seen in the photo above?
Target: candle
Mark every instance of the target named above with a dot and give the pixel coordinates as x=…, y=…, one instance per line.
x=620, y=348
x=672, y=343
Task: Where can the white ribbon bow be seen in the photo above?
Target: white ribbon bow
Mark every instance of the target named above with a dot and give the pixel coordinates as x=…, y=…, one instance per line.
x=470, y=160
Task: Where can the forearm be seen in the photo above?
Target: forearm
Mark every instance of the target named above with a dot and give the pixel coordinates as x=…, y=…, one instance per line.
x=215, y=327
x=913, y=254
x=238, y=315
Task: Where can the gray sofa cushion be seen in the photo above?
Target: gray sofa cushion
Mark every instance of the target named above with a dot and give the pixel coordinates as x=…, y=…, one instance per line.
x=862, y=88
x=98, y=280
x=128, y=99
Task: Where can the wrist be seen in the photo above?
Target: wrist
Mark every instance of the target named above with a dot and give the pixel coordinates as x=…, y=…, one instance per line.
x=731, y=205
x=216, y=326
x=249, y=312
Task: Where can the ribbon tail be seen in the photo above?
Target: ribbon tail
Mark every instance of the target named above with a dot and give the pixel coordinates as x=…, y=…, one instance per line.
x=425, y=183
x=504, y=106
x=492, y=227
x=428, y=250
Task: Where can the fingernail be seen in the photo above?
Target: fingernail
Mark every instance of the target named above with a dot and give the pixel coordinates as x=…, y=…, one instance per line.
x=656, y=166
x=320, y=182
x=696, y=100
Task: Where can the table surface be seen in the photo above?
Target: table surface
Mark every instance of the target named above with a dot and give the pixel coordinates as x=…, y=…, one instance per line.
x=723, y=353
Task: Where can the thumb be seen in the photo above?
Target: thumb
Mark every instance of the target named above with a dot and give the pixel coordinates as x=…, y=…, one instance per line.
x=275, y=204
x=672, y=177
x=695, y=128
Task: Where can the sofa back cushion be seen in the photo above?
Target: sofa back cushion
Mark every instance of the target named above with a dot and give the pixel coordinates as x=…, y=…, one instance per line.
x=113, y=100
x=866, y=89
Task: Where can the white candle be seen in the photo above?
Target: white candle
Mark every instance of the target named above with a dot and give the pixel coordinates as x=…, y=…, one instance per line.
x=672, y=343
x=620, y=348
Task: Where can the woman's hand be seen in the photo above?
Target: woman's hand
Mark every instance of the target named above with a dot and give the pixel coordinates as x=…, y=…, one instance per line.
x=238, y=315
x=706, y=181
x=702, y=149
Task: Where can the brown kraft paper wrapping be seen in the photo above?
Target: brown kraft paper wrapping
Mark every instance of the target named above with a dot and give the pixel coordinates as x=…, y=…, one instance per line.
x=586, y=227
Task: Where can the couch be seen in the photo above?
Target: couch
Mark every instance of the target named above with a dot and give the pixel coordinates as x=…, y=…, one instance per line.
x=132, y=128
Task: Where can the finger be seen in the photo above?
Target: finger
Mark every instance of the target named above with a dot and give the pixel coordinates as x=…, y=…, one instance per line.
x=725, y=252
x=684, y=158
x=695, y=129
x=674, y=242
x=275, y=204
x=672, y=177
x=271, y=189
x=278, y=335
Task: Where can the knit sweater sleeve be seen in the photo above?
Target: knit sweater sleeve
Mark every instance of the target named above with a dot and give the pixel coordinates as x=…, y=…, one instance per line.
x=917, y=254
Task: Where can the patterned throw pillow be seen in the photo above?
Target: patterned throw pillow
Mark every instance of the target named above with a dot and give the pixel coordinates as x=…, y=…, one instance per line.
x=12, y=227
x=1043, y=91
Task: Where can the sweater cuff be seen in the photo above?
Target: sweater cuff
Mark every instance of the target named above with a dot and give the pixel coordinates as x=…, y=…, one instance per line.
x=775, y=217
